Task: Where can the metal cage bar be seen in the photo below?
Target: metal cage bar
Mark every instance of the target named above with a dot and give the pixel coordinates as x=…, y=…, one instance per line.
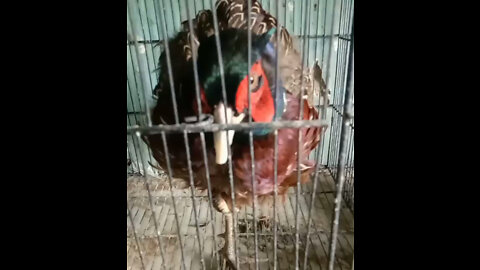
x=229, y=150
x=300, y=138
x=140, y=253
x=342, y=159
x=250, y=121
x=275, y=154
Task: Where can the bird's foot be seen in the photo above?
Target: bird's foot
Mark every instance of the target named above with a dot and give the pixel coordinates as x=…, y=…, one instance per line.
x=227, y=259
x=221, y=205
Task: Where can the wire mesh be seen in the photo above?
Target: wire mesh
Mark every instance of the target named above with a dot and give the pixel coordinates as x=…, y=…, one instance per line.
x=325, y=29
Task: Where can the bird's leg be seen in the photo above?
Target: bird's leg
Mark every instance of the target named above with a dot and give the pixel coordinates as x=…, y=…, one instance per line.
x=228, y=249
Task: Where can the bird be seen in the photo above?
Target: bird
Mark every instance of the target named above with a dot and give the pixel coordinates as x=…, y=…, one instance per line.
x=270, y=102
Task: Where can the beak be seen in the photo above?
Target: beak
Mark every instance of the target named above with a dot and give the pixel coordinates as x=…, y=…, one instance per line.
x=222, y=142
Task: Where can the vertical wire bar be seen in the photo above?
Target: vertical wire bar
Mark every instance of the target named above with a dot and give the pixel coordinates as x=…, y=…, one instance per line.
x=349, y=144
x=192, y=189
x=170, y=177
x=313, y=197
x=177, y=120
x=316, y=30
x=204, y=148
x=304, y=216
x=334, y=138
x=275, y=162
x=135, y=236
x=300, y=134
x=328, y=79
x=307, y=35
x=342, y=31
x=326, y=101
x=275, y=181
x=152, y=160
x=329, y=63
x=340, y=84
x=150, y=200
x=132, y=62
x=350, y=170
x=299, y=158
x=161, y=10
x=135, y=150
x=245, y=219
x=325, y=32
x=329, y=205
x=254, y=197
x=252, y=150
x=210, y=197
x=349, y=190
x=129, y=156
x=224, y=95
x=333, y=147
x=350, y=177
x=188, y=9
x=322, y=136
x=142, y=27
x=325, y=98
x=315, y=183
x=132, y=6
x=173, y=16
x=341, y=166
x=202, y=135
x=136, y=83
x=158, y=37
x=319, y=98
x=343, y=86
x=129, y=90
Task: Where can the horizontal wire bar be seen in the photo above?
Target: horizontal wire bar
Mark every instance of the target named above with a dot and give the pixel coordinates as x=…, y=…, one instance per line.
x=193, y=128
x=157, y=41
x=130, y=43
x=206, y=196
x=134, y=112
x=318, y=232
x=337, y=110
x=344, y=38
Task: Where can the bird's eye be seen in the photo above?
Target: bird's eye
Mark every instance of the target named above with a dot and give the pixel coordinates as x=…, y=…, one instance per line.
x=256, y=83
x=252, y=80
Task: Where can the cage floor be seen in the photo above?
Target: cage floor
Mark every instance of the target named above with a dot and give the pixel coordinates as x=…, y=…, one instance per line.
x=144, y=226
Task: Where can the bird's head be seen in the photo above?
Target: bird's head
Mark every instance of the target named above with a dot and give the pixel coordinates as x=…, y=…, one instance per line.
x=268, y=101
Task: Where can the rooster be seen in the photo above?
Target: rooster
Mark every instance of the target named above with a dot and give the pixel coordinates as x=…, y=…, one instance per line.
x=269, y=103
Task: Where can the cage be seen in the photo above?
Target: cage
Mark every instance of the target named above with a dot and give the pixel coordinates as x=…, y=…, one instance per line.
x=173, y=225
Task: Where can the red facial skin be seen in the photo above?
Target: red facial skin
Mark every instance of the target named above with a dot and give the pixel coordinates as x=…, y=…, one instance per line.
x=263, y=108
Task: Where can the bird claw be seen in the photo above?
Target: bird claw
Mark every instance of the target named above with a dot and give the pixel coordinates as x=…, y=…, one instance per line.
x=220, y=204
x=228, y=260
